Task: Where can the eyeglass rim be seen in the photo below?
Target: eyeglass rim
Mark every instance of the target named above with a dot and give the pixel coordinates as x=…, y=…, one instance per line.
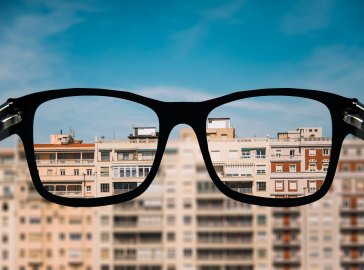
x=31, y=102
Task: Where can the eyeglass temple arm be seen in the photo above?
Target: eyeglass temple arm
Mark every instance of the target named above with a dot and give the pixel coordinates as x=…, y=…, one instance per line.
x=10, y=116
x=354, y=116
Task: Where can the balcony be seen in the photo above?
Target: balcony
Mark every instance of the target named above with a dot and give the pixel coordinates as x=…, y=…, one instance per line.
x=63, y=162
x=279, y=259
x=352, y=209
x=359, y=224
x=286, y=211
x=243, y=190
x=357, y=241
x=299, y=175
x=65, y=179
x=224, y=243
x=75, y=258
x=68, y=194
x=121, y=190
x=287, y=243
x=286, y=225
x=286, y=157
x=352, y=260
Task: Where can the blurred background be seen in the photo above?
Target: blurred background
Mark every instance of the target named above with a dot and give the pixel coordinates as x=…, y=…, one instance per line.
x=182, y=52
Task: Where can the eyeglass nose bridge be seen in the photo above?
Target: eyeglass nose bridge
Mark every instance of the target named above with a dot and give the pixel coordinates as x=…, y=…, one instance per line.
x=193, y=114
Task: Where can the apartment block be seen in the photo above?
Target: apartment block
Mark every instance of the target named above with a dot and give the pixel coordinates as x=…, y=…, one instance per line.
x=36, y=234
x=350, y=187
x=183, y=221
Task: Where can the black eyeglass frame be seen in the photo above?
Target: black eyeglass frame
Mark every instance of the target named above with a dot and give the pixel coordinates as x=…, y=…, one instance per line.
x=17, y=116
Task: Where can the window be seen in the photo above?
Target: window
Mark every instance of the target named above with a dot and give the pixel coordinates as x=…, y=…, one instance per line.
x=171, y=253
x=34, y=220
x=187, y=252
x=187, y=236
x=5, y=207
x=260, y=153
x=104, y=171
x=312, y=165
x=291, y=153
x=125, y=156
x=62, y=172
x=262, y=253
x=88, y=188
x=245, y=153
x=122, y=187
x=325, y=151
x=49, y=172
x=104, y=237
x=292, y=168
x=171, y=220
x=104, y=220
x=327, y=252
x=171, y=236
x=279, y=168
x=131, y=171
x=89, y=171
x=278, y=153
x=187, y=220
x=76, y=172
x=4, y=238
x=105, y=187
x=75, y=236
x=292, y=185
x=61, y=236
x=170, y=203
x=312, y=152
x=312, y=186
x=104, y=254
x=279, y=185
x=261, y=169
x=325, y=166
x=261, y=186
x=187, y=203
x=261, y=219
x=105, y=155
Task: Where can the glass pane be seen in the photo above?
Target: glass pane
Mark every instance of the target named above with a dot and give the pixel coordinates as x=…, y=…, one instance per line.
x=93, y=146
x=283, y=145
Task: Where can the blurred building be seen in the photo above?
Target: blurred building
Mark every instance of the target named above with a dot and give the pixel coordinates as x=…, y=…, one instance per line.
x=349, y=184
x=36, y=234
x=183, y=221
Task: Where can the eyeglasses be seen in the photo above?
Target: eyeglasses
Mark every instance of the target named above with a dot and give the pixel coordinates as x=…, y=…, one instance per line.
x=270, y=147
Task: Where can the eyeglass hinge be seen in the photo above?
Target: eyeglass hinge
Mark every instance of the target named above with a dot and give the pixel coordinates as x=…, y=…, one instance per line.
x=10, y=115
x=355, y=115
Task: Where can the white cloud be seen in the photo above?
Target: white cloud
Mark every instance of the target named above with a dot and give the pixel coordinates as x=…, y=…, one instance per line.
x=173, y=93
x=335, y=68
x=27, y=61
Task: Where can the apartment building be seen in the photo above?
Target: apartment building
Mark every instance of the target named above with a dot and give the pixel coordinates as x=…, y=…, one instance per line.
x=8, y=208
x=350, y=187
x=66, y=166
x=36, y=234
x=182, y=221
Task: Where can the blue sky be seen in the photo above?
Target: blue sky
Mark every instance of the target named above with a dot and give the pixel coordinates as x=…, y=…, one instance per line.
x=181, y=50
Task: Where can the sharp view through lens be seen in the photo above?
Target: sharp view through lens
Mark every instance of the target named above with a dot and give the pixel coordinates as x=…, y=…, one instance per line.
x=291, y=164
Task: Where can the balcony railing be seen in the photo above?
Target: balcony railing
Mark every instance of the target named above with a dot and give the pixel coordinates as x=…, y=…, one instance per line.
x=122, y=190
x=67, y=193
x=286, y=157
x=243, y=190
x=65, y=162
